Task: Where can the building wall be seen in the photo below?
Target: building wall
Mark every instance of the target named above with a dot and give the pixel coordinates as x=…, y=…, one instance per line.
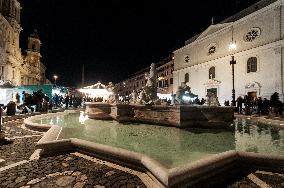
x=267, y=48
x=10, y=57
x=137, y=81
x=14, y=67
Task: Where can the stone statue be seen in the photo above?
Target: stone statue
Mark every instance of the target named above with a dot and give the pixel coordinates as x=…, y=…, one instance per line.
x=182, y=91
x=111, y=89
x=133, y=97
x=173, y=98
x=212, y=100
x=148, y=94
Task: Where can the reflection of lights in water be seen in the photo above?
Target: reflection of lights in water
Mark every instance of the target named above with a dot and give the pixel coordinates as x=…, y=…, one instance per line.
x=51, y=122
x=57, y=120
x=83, y=118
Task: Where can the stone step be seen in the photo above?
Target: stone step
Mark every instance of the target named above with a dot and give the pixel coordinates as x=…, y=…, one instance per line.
x=271, y=178
x=258, y=181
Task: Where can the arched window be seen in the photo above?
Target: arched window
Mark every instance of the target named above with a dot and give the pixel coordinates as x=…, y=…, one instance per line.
x=252, y=64
x=186, y=77
x=212, y=73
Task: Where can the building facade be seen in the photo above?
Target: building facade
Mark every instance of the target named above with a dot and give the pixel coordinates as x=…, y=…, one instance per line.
x=16, y=68
x=34, y=69
x=136, y=81
x=258, y=31
x=10, y=52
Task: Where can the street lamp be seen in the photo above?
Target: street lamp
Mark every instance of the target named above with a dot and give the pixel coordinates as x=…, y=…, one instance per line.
x=232, y=48
x=55, y=78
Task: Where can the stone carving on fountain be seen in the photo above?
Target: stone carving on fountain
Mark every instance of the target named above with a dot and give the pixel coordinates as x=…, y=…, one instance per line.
x=212, y=100
x=182, y=91
x=133, y=97
x=148, y=94
x=112, y=98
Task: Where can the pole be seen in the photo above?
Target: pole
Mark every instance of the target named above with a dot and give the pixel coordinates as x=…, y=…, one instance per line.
x=2, y=134
x=233, y=62
x=83, y=75
x=1, y=118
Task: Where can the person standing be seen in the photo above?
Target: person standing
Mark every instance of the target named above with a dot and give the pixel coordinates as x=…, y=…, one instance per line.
x=67, y=101
x=240, y=102
x=259, y=104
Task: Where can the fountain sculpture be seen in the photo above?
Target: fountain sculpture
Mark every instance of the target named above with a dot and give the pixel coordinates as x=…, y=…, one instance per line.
x=144, y=107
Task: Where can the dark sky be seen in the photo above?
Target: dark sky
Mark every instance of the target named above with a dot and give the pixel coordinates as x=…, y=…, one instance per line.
x=115, y=38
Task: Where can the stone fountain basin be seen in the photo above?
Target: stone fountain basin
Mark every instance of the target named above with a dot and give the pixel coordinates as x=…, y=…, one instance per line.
x=209, y=171
x=181, y=116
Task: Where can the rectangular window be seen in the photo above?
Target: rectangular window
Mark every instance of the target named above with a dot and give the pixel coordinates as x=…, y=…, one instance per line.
x=171, y=81
x=166, y=83
x=160, y=84
x=1, y=72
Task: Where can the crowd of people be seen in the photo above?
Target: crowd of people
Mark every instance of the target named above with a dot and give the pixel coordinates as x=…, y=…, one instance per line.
x=251, y=105
x=40, y=102
x=69, y=100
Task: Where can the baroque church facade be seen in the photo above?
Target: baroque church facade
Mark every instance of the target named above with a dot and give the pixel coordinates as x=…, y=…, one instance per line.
x=258, y=31
x=16, y=68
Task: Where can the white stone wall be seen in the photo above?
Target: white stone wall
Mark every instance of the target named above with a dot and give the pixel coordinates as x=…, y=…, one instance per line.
x=267, y=48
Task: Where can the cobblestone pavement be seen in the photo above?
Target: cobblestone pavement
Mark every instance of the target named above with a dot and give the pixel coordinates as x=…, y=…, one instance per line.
x=20, y=149
x=17, y=129
x=260, y=179
x=69, y=170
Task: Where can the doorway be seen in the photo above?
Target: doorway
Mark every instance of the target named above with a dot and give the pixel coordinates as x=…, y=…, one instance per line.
x=212, y=91
x=252, y=95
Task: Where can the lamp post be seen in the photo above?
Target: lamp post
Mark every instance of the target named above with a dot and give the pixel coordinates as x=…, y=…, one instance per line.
x=2, y=136
x=55, y=78
x=232, y=48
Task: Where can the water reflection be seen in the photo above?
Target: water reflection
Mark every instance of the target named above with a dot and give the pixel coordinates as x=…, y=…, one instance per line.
x=173, y=146
x=258, y=138
x=83, y=117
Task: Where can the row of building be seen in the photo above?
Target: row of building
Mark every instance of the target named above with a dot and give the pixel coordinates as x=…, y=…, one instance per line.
x=203, y=63
x=15, y=67
x=136, y=81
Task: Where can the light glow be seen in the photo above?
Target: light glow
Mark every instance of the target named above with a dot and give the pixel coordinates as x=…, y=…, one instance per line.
x=83, y=117
x=97, y=90
x=233, y=46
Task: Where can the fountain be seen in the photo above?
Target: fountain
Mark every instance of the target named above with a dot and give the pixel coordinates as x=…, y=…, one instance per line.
x=144, y=107
x=172, y=157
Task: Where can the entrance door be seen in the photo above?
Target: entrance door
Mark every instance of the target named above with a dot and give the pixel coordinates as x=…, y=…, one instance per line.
x=212, y=91
x=252, y=95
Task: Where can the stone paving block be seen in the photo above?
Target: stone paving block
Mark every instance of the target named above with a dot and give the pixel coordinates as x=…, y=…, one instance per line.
x=36, y=174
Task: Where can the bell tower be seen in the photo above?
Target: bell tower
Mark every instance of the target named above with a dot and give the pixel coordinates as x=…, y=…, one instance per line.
x=33, y=51
x=34, y=42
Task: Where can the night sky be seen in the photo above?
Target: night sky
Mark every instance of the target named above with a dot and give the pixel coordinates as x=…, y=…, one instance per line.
x=115, y=38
